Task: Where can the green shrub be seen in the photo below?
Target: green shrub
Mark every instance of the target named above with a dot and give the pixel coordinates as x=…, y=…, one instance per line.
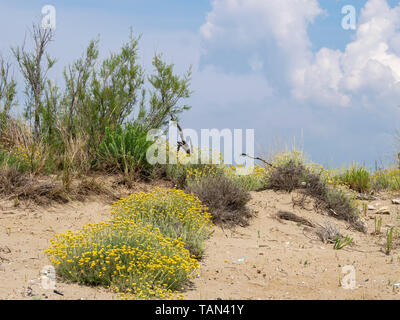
x=71, y=121
x=395, y=183
x=381, y=181
x=8, y=91
x=386, y=179
x=124, y=150
x=13, y=160
x=22, y=158
x=357, y=178
x=179, y=173
x=192, y=167
x=176, y=174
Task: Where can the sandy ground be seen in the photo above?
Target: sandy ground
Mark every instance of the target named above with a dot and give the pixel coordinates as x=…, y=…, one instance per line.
x=275, y=259
x=270, y=259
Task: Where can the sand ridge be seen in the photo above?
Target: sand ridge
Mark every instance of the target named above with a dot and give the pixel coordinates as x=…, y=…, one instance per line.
x=269, y=259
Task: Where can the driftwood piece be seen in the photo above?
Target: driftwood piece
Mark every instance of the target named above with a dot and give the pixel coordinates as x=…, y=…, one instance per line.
x=285, y=215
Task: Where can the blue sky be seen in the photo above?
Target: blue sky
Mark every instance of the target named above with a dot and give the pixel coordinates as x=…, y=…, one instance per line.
x=283, y=67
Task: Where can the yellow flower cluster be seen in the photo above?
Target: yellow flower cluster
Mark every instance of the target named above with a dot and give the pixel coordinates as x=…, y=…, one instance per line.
x=389, y=173
x=174, y=212
x=196, y=174
x=256, y=179
x=199, y=155
x=133, y=253
x=330, y=176
x=255, y=171
x=25, y=154
x=285, y=156
x=22, y=153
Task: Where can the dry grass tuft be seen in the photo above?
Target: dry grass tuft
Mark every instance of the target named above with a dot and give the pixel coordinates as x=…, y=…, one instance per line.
x=22, y=186
x=292, y=175
x=225, y=199
x=15, y=133
x=329, y=232
x=88, y=187
x=11, y=180
x=25, y=187
x=287, y=176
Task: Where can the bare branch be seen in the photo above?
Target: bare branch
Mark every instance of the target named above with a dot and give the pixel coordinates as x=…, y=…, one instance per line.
x=181, y=144
x=257, y=158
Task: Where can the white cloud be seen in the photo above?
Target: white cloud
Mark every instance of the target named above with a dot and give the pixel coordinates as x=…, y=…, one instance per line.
x=246, y=23
x=367, y=71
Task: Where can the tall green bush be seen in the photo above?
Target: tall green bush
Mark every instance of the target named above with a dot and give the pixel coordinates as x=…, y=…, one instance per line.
x=83, y=124
x=124, y=149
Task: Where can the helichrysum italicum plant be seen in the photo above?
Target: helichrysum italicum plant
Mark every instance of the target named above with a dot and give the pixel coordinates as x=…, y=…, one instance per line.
x=255, y=180
x=285, y=157
x=388, y=178
x=199, y=164
x=142, y=251
x=202, y=163
x=175, y=213
x=124, y=254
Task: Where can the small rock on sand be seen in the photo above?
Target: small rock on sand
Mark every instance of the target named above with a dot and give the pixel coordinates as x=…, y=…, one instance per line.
x=383, y=210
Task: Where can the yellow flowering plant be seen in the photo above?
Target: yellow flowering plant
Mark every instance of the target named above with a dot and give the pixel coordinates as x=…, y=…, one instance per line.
x=142, y=252
x=175, y=213
x=254, y=181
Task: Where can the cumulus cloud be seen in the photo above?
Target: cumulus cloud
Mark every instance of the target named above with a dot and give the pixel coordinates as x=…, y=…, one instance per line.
x=368, y=71
x=274, y=29
x=273, y=36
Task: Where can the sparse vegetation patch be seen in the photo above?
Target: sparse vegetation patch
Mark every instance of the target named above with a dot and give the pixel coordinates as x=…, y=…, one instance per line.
x=292, y=174
x=225, y=199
